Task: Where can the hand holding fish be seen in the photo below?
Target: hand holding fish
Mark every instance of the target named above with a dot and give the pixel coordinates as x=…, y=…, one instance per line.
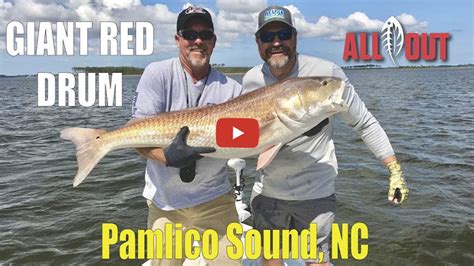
x=179, y=154
x=398, y=190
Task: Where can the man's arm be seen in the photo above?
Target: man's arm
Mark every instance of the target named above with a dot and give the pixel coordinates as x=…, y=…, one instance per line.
x=377, y=141
x=389, y=159
x=364, y=123
x=373, y=135
x=155, y=154
x=148, y=101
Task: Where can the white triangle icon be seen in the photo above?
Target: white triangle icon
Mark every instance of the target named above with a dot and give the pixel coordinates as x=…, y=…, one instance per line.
x=236, y=133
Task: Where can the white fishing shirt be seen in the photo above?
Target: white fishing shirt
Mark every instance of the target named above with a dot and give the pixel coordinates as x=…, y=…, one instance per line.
x=306, y=168
x=163, y=88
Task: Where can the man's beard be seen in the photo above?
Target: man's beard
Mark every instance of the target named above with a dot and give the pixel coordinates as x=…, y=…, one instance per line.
x=198, y=62
x=195, y=62
x=279, y=61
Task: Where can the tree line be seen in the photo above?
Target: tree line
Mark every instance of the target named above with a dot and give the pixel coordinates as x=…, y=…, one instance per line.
x=125, y=70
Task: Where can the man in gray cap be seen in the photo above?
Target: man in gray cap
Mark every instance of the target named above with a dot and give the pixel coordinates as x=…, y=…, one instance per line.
x=181, y=186
x=297, y=188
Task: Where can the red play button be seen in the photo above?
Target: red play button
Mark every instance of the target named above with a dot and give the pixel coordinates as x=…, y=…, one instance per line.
x=237, y=132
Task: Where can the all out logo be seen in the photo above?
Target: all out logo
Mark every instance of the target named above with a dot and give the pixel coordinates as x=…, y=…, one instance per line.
x=422, y=46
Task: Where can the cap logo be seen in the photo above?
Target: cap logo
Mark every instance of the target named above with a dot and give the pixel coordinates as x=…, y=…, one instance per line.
x=192, y=10
x=274, y=13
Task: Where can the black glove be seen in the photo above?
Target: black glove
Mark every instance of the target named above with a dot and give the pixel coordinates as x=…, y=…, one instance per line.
x=188, y=173
x=180, y=155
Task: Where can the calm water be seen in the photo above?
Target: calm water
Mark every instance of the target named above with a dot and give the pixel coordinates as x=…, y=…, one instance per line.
x=428, y=115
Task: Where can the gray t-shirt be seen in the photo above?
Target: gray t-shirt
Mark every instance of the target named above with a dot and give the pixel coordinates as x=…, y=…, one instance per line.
x=306, y=168
x=164, y=87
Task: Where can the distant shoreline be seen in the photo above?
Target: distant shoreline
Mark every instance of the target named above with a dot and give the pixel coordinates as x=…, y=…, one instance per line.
x=138, y=71
x=135, y=71
x=410, y=68
x=365, y=67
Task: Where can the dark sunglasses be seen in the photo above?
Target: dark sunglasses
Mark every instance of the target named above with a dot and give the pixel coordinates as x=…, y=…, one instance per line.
x=269, y=36
x=192, y=35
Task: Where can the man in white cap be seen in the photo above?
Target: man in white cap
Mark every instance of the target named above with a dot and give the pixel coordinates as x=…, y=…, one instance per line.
x=297, y=188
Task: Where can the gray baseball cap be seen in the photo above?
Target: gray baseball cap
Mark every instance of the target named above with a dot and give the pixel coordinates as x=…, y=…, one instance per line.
x=274, y=13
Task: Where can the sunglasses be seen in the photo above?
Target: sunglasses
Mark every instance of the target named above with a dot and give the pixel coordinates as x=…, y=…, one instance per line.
x=269, y=36
x=192, y=35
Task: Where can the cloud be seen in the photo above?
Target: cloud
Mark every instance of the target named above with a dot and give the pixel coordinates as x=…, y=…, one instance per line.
x=335, y=29
x=89, y=13
x=4, y=9
x=31, y=10
x=236, y=22
x=233, y=20
x=241, y=19
x=241, y=6
x=3, y=3
x=120, y=4
x=159, y=15
x=411, y=24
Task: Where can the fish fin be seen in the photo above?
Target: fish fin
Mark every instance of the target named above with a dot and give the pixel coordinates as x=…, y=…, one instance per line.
x=266, y=157
x=135, y=120
x=88, y=153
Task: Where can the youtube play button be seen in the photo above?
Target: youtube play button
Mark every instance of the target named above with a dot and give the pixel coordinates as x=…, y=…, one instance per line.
x=237, y=132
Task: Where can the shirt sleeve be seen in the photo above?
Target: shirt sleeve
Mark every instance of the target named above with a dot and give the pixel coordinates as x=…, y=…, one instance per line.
x=250, y=80
x=237, y=90
x=361, y=120
x=149, y=96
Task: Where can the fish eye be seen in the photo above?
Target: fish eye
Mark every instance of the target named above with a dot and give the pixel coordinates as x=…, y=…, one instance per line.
x=324, y=82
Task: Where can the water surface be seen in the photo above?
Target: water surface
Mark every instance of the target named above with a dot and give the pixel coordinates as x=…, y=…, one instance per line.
x=427, y=113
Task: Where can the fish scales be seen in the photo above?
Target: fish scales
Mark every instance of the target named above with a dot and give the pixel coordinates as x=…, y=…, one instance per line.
x=283, y=110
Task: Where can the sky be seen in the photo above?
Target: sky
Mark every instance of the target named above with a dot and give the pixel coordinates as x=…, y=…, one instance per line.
x=321, y=25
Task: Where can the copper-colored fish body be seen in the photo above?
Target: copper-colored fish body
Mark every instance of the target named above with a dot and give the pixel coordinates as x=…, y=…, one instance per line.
x=284, y=111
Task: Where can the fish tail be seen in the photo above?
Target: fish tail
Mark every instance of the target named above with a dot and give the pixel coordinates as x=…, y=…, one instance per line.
x=88, y=152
